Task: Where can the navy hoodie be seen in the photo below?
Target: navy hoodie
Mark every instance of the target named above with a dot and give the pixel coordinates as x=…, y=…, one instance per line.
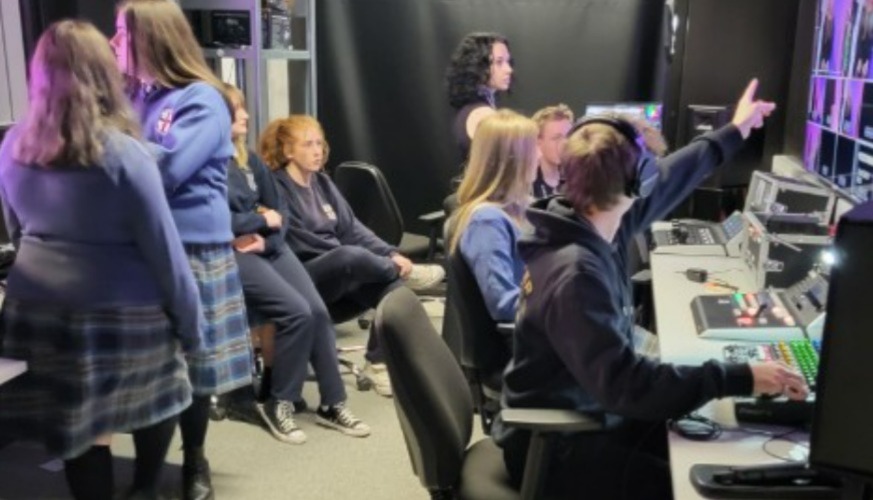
x=250, y=190
x=574, y=337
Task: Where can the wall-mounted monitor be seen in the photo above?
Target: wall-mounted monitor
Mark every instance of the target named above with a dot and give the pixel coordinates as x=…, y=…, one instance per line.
x=839, y=127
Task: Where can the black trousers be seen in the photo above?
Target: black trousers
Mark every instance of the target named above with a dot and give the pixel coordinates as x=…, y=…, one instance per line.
x=279, y=289
x=626, y=463
x=354, y=273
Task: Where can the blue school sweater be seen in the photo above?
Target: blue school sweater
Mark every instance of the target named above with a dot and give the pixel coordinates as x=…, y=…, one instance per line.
x=189, y=133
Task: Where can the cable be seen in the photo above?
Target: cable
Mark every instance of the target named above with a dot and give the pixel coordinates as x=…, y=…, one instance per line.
x=784, y=437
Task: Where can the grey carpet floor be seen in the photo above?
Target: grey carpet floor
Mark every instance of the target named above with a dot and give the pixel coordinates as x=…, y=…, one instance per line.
x=247, y=463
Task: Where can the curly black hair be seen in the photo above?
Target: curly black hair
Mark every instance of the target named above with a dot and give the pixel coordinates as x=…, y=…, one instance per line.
x=470, y=67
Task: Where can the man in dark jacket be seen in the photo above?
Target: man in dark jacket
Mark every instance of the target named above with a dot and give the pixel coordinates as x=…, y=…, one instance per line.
x=574, y=341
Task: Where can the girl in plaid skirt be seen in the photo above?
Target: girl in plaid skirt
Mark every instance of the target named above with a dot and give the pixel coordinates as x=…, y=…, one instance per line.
x=186, y=119
x=101, y=296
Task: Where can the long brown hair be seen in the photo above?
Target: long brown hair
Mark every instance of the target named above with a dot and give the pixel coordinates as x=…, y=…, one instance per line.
x=237, y=100
x=503, y=150
x=76, y=97
x=163, y=45
x=282, y=134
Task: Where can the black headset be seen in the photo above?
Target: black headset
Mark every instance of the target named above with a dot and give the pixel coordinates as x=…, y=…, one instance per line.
x=646, y=172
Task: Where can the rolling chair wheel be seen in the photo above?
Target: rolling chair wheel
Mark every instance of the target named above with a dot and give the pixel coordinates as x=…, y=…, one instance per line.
x=363, y=383
x=217, y=410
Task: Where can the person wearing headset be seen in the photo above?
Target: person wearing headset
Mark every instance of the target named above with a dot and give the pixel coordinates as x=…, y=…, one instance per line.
x=574, y=335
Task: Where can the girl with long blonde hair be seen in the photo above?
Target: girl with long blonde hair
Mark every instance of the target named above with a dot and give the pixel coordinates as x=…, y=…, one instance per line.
x=101, y=295
x=492, y=198
x=187, y=120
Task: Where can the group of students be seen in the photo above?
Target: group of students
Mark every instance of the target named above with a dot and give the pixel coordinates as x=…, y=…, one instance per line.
x=147, y=238
x=557, y=268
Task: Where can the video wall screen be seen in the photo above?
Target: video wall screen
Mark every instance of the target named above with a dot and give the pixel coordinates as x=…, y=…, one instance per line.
x=839, y=130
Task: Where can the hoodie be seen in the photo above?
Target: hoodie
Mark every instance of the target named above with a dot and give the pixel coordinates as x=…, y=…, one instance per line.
x=574, y=336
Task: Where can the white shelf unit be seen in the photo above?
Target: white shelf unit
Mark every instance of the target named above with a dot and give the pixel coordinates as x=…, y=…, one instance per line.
x=276, y=82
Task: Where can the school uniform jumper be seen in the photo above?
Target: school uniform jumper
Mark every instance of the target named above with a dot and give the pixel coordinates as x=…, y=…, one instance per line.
x=574, y=342
x=98, y=301
x=488, y=246
x=189, y=133
x=344, y=258
x=278, y=288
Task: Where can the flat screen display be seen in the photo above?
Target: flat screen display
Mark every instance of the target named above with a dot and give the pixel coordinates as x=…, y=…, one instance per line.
x=649, y=111
x=839, y=127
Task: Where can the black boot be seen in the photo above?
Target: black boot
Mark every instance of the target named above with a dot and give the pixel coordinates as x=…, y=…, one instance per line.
x=196, y=479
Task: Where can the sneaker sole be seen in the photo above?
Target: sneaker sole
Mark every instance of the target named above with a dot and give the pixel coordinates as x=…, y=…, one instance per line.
x=345, y=430
x=276, y=433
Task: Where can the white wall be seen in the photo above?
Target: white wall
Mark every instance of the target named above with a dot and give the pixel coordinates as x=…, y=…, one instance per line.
x=13, y=79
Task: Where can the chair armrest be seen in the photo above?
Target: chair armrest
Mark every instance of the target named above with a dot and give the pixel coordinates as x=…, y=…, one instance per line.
x=544, y=426
x=432, y=217
x=506, y=328
x=548, y=420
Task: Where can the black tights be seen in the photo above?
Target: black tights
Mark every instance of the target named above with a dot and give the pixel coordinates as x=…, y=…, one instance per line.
x=193, y=423
x=90, y=475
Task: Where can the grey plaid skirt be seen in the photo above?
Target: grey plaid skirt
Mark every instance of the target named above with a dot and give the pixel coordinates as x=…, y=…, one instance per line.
x=225, y=360
x=90, y=372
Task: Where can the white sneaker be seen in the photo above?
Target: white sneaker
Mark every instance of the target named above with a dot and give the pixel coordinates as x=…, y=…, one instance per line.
x=377, y=373
x=425, y=276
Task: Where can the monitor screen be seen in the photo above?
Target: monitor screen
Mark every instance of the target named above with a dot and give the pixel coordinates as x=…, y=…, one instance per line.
x=649, y=111
x=842, y=434
x=839, y=127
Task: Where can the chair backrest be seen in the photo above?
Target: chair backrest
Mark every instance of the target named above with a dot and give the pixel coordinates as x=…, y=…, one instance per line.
x=365, y=188
x=478, y=343
x=435, y=412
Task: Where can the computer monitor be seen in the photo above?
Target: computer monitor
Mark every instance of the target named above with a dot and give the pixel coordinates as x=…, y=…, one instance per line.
x=649, y=111
x=842, y=433
x=839, y=126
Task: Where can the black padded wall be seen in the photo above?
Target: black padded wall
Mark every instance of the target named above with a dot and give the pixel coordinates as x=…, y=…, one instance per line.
x=381, y=65
x=721, y=46
x=36, y=15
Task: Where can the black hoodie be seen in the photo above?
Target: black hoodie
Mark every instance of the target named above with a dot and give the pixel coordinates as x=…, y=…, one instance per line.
x=574, y=337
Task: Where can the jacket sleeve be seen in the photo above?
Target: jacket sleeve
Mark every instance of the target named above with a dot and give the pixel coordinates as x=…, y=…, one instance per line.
x=681, y=172
x=583, y=328
x=156, y=235
x=486, y=247
x=200, y=126
x=268, y=194
x=242, y=220
x=350, y=231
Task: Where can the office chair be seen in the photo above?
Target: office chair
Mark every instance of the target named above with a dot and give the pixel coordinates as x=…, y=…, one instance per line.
x=437, y=418
x=367, y=191
x=475, y=338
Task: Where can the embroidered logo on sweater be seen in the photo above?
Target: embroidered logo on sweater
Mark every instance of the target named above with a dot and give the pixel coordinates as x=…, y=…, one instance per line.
x=165, y=119
x=328, y=211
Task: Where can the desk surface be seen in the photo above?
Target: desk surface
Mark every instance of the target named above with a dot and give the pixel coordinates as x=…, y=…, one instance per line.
x=10, y=368
x=679, y=344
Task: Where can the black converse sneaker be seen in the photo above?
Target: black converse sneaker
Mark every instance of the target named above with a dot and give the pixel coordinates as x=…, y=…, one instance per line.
x=279, y=417
x=342, y=419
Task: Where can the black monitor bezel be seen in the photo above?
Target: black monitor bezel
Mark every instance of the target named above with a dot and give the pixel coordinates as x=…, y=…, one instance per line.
x=821, y=385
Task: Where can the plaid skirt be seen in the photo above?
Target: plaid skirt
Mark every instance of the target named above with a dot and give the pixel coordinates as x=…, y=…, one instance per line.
x=224, y=361
x=89, y=373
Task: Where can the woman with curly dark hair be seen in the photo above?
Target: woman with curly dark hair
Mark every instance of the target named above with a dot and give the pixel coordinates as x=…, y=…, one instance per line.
x=480, y=67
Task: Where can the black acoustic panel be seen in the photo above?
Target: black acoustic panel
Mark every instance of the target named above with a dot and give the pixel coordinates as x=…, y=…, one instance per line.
x=725, y=44
x=381, y=64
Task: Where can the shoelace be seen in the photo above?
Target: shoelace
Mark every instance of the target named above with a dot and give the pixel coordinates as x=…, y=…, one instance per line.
x=345, y=417
x=285, y=412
